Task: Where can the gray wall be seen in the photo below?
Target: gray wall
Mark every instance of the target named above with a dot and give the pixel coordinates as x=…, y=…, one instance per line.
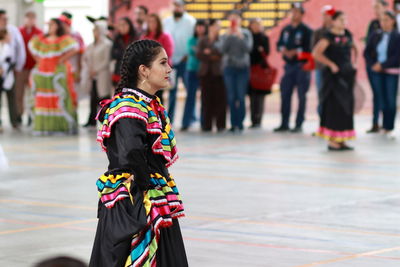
x=17, y=8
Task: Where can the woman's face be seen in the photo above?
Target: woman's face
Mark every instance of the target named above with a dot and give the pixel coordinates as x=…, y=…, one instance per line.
x=96, y=33
x=152, y=24
x=387, y=23
x=214, y=29
x=53, y=28
x=200, y=30
x=123, y=27
x=340, y=22
x=255, y=26
x=159, y=71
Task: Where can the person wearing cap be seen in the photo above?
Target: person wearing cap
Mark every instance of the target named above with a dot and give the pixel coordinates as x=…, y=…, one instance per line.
x=28, y=31
x=181, y=27
x=379, y=6
x=18, y=57
x=327, y=12
x=382, y=55
x=76, y=60
x=295, y=38
x=96, y=63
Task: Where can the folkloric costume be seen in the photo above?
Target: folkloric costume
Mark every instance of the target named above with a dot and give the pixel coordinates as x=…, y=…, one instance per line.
x=138, y=223
x=53, y=86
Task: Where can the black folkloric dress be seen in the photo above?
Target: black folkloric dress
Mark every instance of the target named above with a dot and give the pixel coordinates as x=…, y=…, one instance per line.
x=138, y=223
x=337, y=96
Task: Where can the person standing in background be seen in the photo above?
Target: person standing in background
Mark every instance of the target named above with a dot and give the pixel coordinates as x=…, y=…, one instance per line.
x=374, y=25
x=28, y=31
x=257, y=56
x=75, y=60
x=294, y=39
x=96, y=60
x=382, y=54
x=18, y=58
x=192, y=80
x=181, y=26
x=55, y=110
x=334, y=50
x=327, y=12
x=235, y=46
x=213, y=92
x=155, y=32
x=126, y=34
x=141, y=13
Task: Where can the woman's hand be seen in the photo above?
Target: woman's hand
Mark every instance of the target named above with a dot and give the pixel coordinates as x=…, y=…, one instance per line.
x=334, y=68
x=377, y=67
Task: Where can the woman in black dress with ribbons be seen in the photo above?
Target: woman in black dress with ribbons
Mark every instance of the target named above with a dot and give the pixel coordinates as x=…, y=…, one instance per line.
x=139, y=202
x=334, y=50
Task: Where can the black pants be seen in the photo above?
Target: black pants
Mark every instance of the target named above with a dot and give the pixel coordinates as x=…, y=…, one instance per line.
x=213, y=101
x=11, y=105
x=256, y=107
x=94, y=103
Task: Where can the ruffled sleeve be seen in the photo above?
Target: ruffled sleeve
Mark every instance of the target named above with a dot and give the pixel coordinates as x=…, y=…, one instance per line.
x=126, y=149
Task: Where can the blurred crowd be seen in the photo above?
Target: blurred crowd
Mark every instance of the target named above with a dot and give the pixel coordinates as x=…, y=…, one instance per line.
x=41, y=72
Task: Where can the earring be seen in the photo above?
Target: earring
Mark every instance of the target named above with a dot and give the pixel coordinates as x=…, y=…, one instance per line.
x=143, y=82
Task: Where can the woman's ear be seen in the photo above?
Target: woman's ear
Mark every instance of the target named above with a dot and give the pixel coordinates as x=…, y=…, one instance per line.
x=144, y=72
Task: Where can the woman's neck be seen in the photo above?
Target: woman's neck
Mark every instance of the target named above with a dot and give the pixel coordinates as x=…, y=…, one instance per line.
x=337, y=31
x=150, y=91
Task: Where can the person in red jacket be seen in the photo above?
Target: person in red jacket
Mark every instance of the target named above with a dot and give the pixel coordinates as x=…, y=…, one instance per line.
x=28, y=31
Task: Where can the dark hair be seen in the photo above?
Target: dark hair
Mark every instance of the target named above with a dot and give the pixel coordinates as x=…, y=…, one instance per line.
x=67, y=14
x=200, y=22
x=298, y=6
x=212, y=22
x=390, y=14
x=132, y=30
x=60, y=29
x=3, y=12
x=61, y=262
x=159, y=29
x=234, y=12
x=337, y=14
x=142, y=52
x=144, y=8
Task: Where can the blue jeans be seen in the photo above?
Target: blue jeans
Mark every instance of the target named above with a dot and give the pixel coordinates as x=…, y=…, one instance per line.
x=192, y=82
x=180, y=69
x=294, y=76
x=386, y=84
x=236, y=82
x=319, y=84
x=376, y=96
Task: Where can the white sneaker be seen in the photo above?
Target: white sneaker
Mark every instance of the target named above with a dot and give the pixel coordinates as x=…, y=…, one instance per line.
x=390, y=135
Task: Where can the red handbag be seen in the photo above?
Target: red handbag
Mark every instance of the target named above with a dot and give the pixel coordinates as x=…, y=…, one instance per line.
x=262, y=76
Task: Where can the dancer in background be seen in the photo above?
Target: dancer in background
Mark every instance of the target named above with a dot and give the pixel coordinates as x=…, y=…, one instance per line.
x=213, y=92
x=97, y=62
x=53, y=82
x=141, y=26
x=139, y=203
x=382, y=54
x=334, y=50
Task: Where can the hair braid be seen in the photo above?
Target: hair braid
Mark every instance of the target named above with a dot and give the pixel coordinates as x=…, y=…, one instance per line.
x=142, y=52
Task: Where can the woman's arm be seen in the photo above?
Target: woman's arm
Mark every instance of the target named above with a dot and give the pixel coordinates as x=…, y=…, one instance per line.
x=319, y=56
x=354, y=54
x=67, y=55
x=127, y=147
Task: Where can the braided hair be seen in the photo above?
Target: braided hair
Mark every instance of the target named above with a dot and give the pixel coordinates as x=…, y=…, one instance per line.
x=142, y=52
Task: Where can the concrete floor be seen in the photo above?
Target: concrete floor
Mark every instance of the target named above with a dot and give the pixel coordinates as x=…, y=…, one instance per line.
x=255, y=199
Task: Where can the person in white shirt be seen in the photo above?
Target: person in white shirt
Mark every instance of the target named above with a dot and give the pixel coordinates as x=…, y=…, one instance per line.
x=181, y=26
x=17, y=59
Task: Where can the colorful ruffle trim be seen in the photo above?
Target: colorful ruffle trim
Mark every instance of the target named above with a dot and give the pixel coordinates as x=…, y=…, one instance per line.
x=336, y=136
x=162, y=203
x=131, y=106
